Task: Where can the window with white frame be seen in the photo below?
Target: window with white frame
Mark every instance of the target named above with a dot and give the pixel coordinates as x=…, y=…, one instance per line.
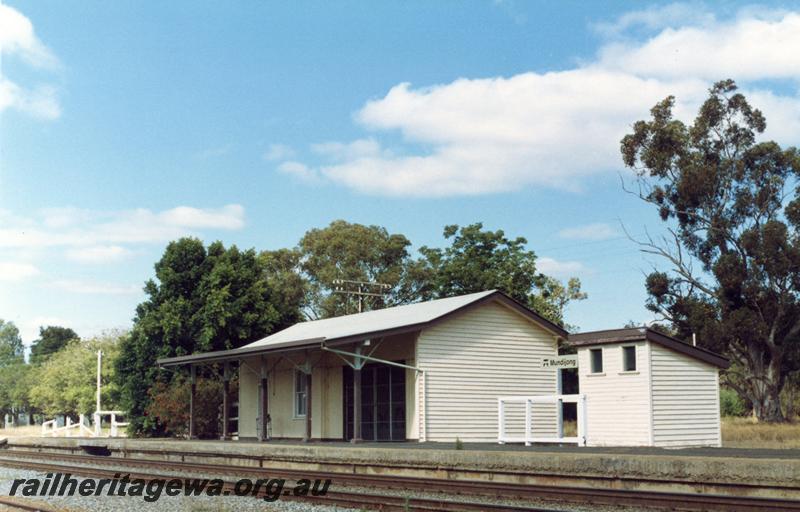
x=300, y=394
x=596, y=359
x=629, y=359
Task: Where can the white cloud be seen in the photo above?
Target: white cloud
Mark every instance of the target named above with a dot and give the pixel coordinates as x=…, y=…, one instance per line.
x=70, y=227
x=560, y=269
x=361, y=148
x=277, y=152
x=744, y=48
x=300, y=171
x=479, y=136
x=595, y=231
x=94, y=288
x=11, y=271
x=657, y=18
x=18, y=39
x=41, y=102
x=227, y=217
x=500, y=134
x=98, y=254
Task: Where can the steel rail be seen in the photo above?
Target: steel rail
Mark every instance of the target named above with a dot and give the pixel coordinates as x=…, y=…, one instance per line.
x=353, y=499
x=27, y=504
x=674, y=500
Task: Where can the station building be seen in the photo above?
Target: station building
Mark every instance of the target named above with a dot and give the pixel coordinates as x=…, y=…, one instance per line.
x=434, y=371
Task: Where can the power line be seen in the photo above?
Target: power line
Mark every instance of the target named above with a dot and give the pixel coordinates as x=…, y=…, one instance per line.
x=345, y=287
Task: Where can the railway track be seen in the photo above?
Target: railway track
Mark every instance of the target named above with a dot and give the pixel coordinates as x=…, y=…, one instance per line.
x=8, y=503
x=95, y=466
x=354, y=499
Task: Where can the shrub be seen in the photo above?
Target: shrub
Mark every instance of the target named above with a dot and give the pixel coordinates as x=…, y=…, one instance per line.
x=730, y=403
x=169, y=406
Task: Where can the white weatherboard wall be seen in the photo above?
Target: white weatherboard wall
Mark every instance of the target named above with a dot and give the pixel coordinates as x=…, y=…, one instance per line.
x=685, y=400
x=617, y=402
x=472, y=359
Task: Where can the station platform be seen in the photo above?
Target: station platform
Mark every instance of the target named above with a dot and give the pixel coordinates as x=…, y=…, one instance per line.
x=774, y=473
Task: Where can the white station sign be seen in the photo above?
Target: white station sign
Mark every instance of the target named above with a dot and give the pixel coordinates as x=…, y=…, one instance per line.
x=566, y=361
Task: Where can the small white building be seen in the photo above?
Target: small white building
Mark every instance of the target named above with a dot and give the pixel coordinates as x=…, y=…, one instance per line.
x=434, y=371
x=644, y=388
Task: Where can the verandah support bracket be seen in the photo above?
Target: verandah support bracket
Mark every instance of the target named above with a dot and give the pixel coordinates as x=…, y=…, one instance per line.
x=369, y=358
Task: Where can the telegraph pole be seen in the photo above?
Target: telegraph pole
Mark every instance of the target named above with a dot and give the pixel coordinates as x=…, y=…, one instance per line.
x=361, y=289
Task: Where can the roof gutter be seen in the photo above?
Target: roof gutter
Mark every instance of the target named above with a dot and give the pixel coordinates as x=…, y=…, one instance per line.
x=239, y=353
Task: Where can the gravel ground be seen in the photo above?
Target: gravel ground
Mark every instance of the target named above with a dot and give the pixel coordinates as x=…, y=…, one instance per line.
x=164, y=504
x=234, y=503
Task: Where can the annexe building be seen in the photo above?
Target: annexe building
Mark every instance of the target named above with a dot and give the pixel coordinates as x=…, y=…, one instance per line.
x=644, y=388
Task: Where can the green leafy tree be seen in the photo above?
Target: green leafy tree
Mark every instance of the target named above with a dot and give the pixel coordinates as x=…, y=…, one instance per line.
x=200, y=300
x=345, y=251
x=733, y=209
x=66, y=383
x=478, y=260
x=11, y=348
x=51, y=339
x=14, y=385
x=282, y=272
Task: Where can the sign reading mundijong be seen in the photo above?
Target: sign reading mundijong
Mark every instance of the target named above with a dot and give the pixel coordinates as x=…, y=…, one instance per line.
x=566, y=361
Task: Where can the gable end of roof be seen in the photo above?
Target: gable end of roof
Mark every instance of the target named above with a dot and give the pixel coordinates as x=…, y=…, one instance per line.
x=585, y=339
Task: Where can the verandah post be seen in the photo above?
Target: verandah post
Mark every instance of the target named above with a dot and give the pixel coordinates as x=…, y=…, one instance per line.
x=307, y=436
x=263, y=404
x=357, y=364
x=192, y=391
x=226, y=378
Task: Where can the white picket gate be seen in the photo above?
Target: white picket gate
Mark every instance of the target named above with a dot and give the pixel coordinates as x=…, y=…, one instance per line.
x=529, y=437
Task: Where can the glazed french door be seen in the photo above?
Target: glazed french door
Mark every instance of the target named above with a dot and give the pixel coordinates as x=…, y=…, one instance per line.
x=383, y=403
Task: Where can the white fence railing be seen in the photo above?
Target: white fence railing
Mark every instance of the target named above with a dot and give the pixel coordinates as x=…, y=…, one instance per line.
x=51, y=428
x=81, y=429
x=529, y=435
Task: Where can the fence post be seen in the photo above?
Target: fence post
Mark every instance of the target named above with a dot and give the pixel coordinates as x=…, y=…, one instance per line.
x=528, y=420
x=501, y=420
x=581, y=420
x=97, y=424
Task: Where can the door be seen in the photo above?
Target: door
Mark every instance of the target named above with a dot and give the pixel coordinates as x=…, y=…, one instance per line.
x=383, y=402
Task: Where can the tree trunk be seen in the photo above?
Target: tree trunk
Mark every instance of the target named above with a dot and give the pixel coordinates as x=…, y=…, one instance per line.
x=766, y=386
x=768, y=408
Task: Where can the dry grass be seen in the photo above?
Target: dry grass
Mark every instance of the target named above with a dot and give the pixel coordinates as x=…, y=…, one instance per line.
x=27, y=431
x=746, y=433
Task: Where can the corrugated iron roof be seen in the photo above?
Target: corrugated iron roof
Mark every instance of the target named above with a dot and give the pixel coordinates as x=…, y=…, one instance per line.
x=371, y=321
x=645, y=333
x=359, y=326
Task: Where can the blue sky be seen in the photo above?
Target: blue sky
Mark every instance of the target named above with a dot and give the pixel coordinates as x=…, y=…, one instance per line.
x=127, y=124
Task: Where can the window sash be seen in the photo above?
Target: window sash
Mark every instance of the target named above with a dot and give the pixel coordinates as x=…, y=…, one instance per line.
x=596, y=356
x=629, y=359
x=300, y=394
